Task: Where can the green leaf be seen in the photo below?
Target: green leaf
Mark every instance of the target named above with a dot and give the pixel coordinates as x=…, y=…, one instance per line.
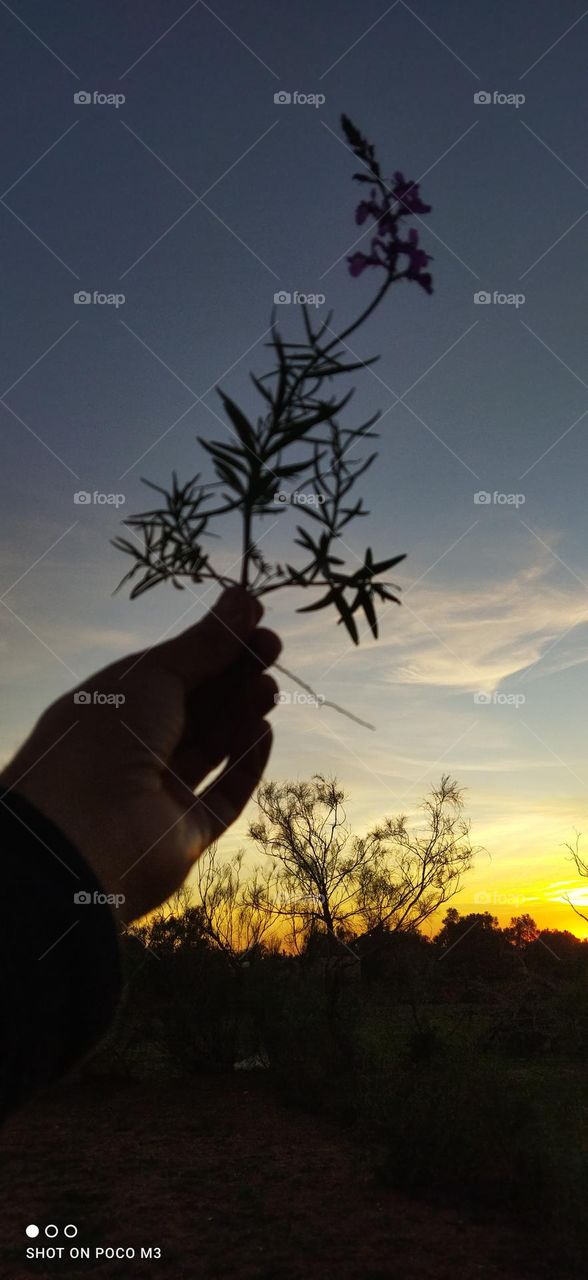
x=294, y=468
x=243, y=428
x=224, y=453
x=298, y=577
x=319, y=604
x=370, y=614
x=346, y=616
x=230, y=477
x=305, y=539
x=388, y=564
x=387, y=595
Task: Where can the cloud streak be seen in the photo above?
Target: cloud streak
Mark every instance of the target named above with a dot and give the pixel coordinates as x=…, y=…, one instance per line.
x=480, y=636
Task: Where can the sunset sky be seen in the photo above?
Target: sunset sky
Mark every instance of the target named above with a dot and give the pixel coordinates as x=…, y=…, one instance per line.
x=199, y=197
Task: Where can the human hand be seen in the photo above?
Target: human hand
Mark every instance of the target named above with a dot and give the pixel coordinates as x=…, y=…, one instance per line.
x=118, y=780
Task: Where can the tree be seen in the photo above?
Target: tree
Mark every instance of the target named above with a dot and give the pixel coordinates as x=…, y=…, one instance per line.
x=456, y=928
x=233, y=912
x=581, y=867
x=326, y=878
x=521, y=931
x=473, y=948
x=174, y=924
x=303, y=829
x=406, y=874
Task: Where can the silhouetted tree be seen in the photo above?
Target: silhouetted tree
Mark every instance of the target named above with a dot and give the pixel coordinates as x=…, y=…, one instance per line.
x=234, y=911
x=474, y=950
x=395, y=877
x=405, y=874
x=581, y=867
x=521, y=931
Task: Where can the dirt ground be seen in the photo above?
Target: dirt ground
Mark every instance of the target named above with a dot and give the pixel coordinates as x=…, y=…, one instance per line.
x=228, y=1184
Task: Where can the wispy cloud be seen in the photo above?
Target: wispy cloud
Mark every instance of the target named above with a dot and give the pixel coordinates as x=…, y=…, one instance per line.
x=478, y=636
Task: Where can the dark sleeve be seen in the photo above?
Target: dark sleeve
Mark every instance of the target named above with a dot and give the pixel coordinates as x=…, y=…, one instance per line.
x=59, y=954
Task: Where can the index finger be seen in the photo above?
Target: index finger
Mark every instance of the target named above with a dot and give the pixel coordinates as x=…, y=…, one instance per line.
x=212, y=644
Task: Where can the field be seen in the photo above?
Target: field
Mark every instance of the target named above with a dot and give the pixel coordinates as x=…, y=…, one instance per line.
x=229, y=1183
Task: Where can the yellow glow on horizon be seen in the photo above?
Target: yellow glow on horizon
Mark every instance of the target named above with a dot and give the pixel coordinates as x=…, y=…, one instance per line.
x=524, y=867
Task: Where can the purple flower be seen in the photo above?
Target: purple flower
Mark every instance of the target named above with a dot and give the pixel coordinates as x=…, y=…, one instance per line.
x=359, y=261
x=407, y=194
x=371, y=209
x=386, y=245
x=366, y=209
x=417, y=261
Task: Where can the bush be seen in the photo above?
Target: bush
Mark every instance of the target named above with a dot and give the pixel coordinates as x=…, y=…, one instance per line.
x=473, y=1128
x=313, y=1048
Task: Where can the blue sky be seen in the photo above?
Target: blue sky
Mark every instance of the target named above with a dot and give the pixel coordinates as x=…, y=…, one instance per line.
x=474, y=397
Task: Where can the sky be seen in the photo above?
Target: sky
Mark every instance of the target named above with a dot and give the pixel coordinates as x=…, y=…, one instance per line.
x=192, y=199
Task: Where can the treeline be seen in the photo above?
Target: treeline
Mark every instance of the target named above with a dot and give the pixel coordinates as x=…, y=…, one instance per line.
x=459, y=1065
x=458, y=1062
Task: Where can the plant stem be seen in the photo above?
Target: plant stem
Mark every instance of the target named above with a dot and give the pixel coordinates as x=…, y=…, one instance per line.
x=364, y=314
x=306, y=372
x=246, y=546
x=323, y=702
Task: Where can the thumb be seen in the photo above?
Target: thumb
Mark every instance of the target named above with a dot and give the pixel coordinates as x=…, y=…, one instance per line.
x=215, y=642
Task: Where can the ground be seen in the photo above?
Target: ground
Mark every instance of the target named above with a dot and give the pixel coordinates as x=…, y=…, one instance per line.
x=230, y=1185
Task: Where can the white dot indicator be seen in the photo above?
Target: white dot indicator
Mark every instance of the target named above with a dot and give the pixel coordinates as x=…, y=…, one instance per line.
x=32, y=1230
x=70, y=1230
x=51, y=1230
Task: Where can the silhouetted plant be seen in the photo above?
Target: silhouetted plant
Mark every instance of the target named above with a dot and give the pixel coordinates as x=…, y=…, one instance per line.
x=299, y=408
x=330, y=882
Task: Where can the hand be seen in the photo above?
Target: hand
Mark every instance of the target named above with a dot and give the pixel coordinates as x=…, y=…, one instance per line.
x=118, y=780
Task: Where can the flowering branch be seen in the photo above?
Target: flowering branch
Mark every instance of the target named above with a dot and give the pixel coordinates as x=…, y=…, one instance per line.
x=300, y=414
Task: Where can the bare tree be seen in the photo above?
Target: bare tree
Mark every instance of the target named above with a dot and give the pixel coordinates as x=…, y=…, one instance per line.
x=303, y=829
x=406, y=874
x=581, y=867
x=235, y=911
x=328, y=879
